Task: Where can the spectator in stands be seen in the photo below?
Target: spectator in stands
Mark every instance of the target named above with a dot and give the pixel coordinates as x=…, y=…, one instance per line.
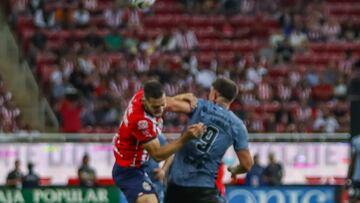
x=313, y=30
x=31, y=180
x=323, y=91
x=226, y=31
x=39, y=39
x=312, y=78
x=93, y=40
x=35, y=4
x=255, y=73
x=253, y=177
x=44, y=18
x=70, y=111
x=90, y=4
x=331, y=29
x=148, y=45
x=133, y=19
x=38, y=43
x=81, y=16
x=286, y=21
x=190, y=63
x=166, y=42
x=331, y=73
x=349, y=30
x=230, y=7
x=340, y=88
x=326, y=122
x=86, y=174
x=185, y=39
x=114, y=17
x=57, y=83
x=273, y=172
x=64, y=17
x=284, y=52
x=113, y=41
x=104, y=113
x=276, y=38
x=14, y=178
x=297, y=39
x=79, y=67
x=205, y=77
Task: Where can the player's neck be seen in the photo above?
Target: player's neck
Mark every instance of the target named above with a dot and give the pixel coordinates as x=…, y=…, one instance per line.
x=222, y=104
x=147, y=110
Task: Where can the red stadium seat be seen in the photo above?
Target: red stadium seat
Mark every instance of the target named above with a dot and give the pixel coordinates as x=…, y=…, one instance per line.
x=99, y=21
x=24, y=22
x=45, y=72
x=45, y=58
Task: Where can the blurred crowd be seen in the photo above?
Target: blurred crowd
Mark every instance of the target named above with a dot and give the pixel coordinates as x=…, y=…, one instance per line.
x=109, y=52
x=9, y=113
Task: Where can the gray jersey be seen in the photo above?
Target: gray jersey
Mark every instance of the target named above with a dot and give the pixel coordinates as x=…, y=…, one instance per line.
x=197, y=163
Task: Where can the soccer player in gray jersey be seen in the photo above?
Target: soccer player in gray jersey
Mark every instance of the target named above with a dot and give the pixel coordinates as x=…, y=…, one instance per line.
x=194, y=170
x=353, y=180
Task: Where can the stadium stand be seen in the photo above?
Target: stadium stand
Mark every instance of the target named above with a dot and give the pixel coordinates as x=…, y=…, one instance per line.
x=10, y=115
x=90, y=56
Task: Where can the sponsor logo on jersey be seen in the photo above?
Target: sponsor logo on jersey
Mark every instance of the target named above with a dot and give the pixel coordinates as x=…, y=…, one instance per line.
x=142, y=125
x=146, y=186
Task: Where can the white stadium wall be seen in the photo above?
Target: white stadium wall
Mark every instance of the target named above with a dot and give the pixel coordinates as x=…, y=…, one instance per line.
x=60, y=161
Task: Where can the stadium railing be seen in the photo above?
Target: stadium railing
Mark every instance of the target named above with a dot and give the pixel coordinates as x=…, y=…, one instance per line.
x=100, y=137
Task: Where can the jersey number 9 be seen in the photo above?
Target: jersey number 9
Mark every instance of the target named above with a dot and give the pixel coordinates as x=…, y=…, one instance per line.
x=207, y=139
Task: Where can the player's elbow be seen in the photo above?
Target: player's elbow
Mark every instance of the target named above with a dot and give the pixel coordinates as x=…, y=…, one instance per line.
x=247, y=165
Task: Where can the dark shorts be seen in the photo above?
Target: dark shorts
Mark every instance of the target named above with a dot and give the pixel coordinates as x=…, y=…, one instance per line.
x=133, y=182
x=179, y=194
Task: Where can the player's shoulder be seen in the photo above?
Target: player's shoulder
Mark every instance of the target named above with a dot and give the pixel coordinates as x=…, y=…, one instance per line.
x=235, y=120
x=202, y=102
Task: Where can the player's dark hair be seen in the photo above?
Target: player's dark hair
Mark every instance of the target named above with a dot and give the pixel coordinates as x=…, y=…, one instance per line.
x=226, y=88
x=153, y=89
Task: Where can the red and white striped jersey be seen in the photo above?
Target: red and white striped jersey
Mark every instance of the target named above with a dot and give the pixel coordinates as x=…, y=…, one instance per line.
x=136, y=128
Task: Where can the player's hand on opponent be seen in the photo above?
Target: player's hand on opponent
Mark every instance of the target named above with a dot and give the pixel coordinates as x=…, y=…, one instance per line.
x=159, y=174
x=191, y=98
x=232, y=170
x=188, y=97
x=195, y=131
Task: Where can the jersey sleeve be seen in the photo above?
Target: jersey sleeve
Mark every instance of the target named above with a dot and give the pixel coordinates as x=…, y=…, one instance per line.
x=240, y=136
x=199, y=106
x=144, y=130
x=162, y=139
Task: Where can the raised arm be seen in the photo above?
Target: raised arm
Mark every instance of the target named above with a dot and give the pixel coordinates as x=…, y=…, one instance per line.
x=182, y=103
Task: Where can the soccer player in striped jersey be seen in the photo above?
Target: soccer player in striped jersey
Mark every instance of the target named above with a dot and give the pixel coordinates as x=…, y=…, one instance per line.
x=137, y=139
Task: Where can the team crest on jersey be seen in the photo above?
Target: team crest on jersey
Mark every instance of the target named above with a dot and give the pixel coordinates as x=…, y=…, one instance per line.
x=142, y=125
x=146, y=186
